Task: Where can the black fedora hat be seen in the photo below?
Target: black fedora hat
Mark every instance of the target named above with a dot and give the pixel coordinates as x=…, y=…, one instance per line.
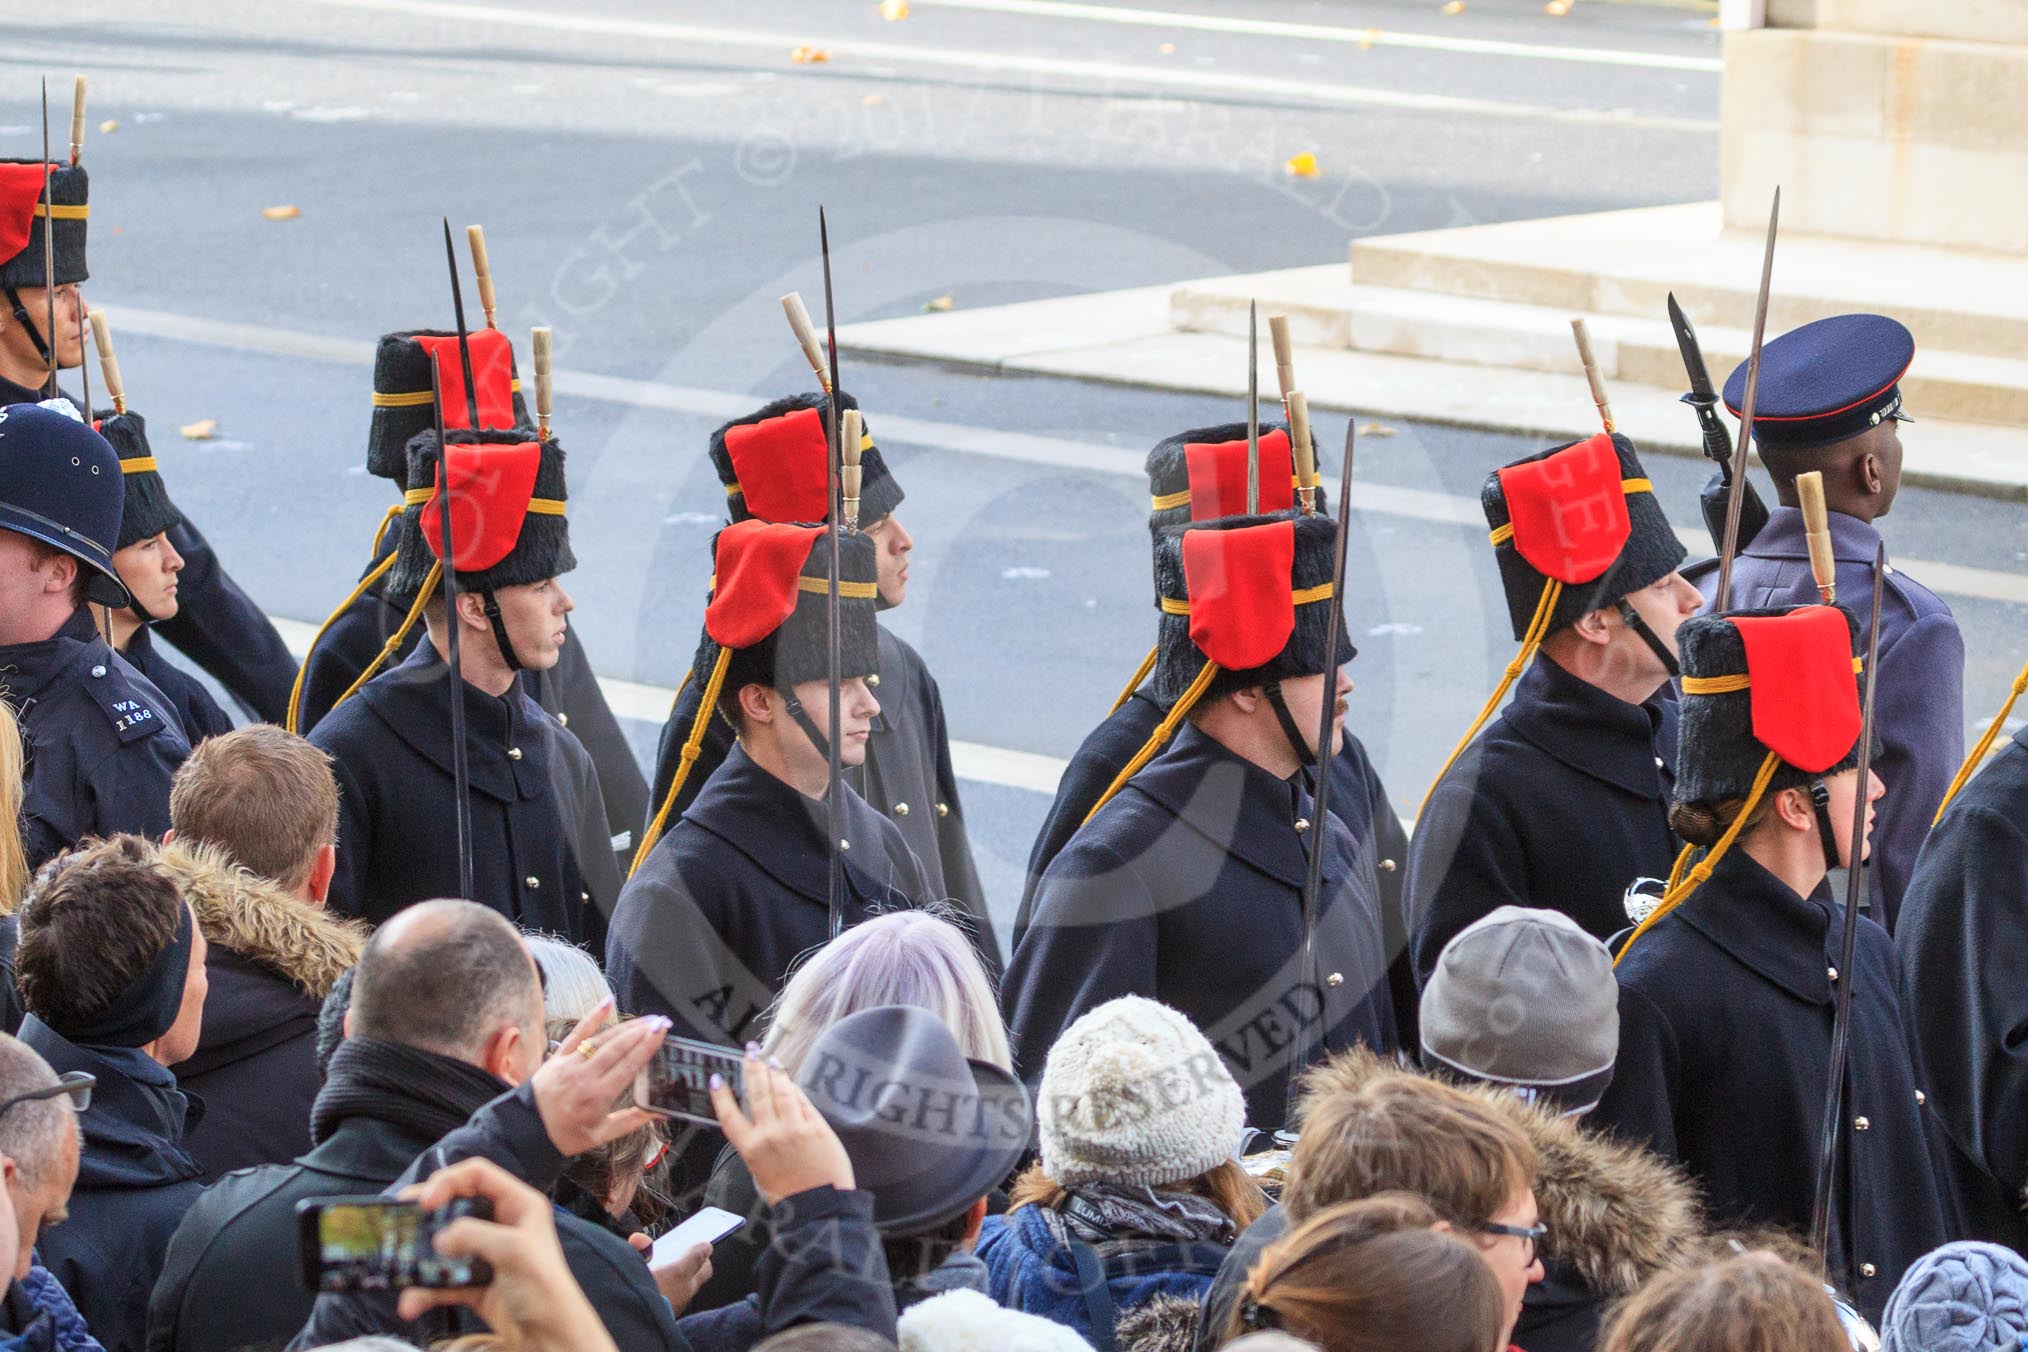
x=928, y=1131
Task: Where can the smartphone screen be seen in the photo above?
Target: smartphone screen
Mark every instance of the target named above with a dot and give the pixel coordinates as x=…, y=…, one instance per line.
x=707, y=1227
x=677, y=1083
x=373, y=1244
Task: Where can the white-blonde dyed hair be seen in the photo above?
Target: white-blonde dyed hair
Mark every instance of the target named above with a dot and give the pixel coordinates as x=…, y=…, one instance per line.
x=913, y=958
x=571, y=980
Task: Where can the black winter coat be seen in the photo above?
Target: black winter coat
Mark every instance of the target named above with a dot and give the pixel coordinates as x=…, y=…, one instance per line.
x=1187, y=888
x=1560, y=803
x=103, y=743
x=195, y=709
x=907, y=778
x=1724, y=1061
x=1963, y=935
x=134, y=1183
x=540, y=852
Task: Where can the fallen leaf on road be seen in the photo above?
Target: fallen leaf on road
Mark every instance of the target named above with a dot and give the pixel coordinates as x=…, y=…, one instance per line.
x=281, y=213
x=108, y=127
x=1368, y=38
x=809, y=56
x=872, y=100
x=1455, y=7
x=1374, y=429
x=1558, y=8
x=1301, y=166
x=1167, y=49
x=894, y=10
x=938, y=306
x=201, y=431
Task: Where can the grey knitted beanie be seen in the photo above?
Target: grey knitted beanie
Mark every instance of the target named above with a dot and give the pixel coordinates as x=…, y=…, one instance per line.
x=1963, y=1297
x=1132, y=1093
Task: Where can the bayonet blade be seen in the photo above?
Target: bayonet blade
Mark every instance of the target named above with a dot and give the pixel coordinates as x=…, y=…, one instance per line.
x=464, y=340
x=1722, y=598
x=1693, y=354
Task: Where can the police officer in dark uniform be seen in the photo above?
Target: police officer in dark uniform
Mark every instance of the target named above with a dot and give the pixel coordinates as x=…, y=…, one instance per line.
x=1727, y=990
x=101, y=743
x=1564, y=799
x=1830, y=400
x=352, y=639
x=1963, y=936
x=739, y=886
x=540, y=852
x=1187, y=885
x=1199, y=476
x=773, y=465
x=152, y=570
x=218, y=626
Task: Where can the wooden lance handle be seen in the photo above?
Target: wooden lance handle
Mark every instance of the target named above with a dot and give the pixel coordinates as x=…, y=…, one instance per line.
x=1598, y=394
x=851, y=428
x=77, y=112
x=544, y=392
x=1285, y=361
x=806, y=335
x=1817, y=532
x=1305, y=453
x=102, y=336
x=482, y=267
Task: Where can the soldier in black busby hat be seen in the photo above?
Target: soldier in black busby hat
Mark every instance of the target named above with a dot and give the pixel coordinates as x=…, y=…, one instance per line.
x=1200, y=475
x=102, y=743
x=1728, y=987
x=152, y=569
x=774, y=465
x=1187, y=885
x=1830, y=401
x=1564, y=800
x=372, y=628
x=217, y=624
x=739, y=885
x=541, y=854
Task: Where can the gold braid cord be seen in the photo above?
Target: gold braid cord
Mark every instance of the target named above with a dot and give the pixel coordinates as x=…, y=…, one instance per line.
x=1538, y=629
x=1984, y=746
x=1159, y=737
x=1682, y=885
x=1140, y=674
x=293, y=720
x=691, y=746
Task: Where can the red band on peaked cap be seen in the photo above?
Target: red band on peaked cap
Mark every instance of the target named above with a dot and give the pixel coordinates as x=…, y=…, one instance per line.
x=1804, y=691
x=759, y=563
x=1218, y=476
x=20, y=190
x=492, y=372
x=490, y=489
x=784, y=466
x=1568, y=510
x=1242, y=610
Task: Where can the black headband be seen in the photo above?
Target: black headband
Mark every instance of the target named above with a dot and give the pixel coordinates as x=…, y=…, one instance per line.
x=148, y=1007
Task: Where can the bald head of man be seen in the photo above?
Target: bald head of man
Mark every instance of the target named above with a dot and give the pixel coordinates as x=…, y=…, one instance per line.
x=453, y=978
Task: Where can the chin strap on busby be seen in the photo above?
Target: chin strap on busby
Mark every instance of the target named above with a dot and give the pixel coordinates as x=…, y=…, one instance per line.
x=1631, y=618
x=1305, y=754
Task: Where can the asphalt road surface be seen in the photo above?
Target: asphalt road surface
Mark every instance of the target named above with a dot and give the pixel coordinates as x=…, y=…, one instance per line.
x=649, y=177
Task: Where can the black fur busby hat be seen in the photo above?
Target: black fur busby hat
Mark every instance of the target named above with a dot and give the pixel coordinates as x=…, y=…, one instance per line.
x=770, y=605
x=401, y=392
x=1200, y=475
x=148, y=510
x=24, y=216
x=1251, y=593
x=1583, y=514
x=507, y=519
x=775, y=464
x=1779, y=680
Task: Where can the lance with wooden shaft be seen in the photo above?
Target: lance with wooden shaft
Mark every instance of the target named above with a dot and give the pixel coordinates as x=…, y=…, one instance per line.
x=1305, y=453
x=806, y=337
x=1817, y=534
x=1591, y=376
x=545, y=392
x=835, y=426
x=109, y=365
x=1729, y=546
x=1252, y=408
x=482, y=269
x=77, y=112
x=461, y=774
x=49, y=247
x=849, y=470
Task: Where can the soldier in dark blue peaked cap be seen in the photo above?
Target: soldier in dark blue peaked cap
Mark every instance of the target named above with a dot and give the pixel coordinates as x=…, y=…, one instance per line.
x=102, y=742
x=1830, y=400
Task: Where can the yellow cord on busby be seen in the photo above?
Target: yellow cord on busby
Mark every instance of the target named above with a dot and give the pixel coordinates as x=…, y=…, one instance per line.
x=393, y=644
x=1159, y=737
x=1538, y=629
x=294, y=718
x=1140, y=674
x=1984, y=745
x=1682, y=885
x=691, y=746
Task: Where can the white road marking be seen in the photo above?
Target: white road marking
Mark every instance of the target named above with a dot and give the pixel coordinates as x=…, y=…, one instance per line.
x=1317, y=32
x=1415, y=504
x=1109, y=74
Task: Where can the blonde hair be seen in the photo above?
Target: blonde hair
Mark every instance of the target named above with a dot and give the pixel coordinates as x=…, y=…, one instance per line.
x=13, y=854
x=1750, y=1302
x=1228, y=1187
x=914, y=958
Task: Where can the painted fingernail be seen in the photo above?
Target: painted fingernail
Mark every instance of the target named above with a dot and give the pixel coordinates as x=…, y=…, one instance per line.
x=776, y=1062
x=606, y=1003
x=753, y=1051
x=717, y=1080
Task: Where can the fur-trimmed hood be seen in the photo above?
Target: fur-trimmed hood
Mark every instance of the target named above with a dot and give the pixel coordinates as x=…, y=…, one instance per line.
x=1168, y=1323
x=1616, y=1214
x=256, y=919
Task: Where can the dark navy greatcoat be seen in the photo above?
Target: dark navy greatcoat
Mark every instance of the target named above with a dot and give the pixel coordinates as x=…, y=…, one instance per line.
x=569, y=691
x=102, y=742
x=1725, y=1051
x=1920, y=708
x=540, y=853
x=1560, y=803
x=710, y=923
x=195, y=709
x=1187, y=888
x=907, y=777
x=1964, y=949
